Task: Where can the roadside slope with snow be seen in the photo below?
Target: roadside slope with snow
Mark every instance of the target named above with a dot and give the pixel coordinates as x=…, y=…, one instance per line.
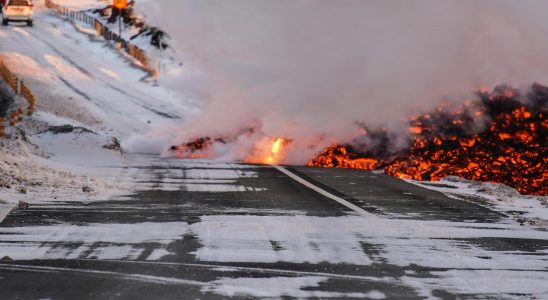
x=80, y=76
x=83, y=83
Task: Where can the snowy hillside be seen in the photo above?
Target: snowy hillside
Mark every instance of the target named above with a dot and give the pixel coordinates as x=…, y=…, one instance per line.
x=83, y=82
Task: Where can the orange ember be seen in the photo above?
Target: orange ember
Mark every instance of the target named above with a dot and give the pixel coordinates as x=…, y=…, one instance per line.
x=511, y=149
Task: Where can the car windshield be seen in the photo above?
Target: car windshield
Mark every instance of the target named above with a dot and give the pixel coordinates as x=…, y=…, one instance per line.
x=18, y=3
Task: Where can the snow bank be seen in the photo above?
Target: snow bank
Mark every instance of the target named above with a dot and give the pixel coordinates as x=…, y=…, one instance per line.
x=531, y=210
x=27, y=175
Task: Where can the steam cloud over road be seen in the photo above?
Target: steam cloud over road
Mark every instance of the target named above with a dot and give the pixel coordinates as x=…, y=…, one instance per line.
x=309, y=70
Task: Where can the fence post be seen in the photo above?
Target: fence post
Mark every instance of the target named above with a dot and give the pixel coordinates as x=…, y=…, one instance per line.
x=105, y=32
x=16, y=116
x=2, y=128
x=98, y=27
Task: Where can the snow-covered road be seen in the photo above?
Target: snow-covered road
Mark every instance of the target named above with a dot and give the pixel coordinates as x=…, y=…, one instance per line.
x=218, y=230
x=77, y=75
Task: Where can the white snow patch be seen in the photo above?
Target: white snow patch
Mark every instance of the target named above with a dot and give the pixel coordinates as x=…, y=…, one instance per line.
x=297, y=239
x=343, y=240
x=25, y=66
x=276, y=287
x=77, y=148
x=496, y=284
x=5, y=209
x=110, y=73
x=533, y=209
x=218, y=174
x=219, y=188
x=158, y=253
x=65, y=68
x=175, y=174
x=21, y=31
x=34, y=179
x=92, y=241
x=338, y=240
x=83, y=4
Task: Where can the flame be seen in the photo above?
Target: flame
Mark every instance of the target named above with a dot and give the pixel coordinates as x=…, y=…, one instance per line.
x=268, y=151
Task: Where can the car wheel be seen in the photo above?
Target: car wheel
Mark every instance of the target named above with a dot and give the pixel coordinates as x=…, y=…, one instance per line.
x=29, y=23
x=5, y=22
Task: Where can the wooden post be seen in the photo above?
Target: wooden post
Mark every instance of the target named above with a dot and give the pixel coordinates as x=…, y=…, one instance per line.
x=2, y=128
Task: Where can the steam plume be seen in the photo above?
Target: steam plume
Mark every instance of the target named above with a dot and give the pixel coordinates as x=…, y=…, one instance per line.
x=312, y=68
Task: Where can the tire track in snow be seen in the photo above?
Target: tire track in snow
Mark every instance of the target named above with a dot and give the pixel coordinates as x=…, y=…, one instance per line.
x=74, y=89
x=84, y=71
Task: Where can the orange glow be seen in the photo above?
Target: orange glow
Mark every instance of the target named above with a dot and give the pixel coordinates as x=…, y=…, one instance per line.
x=338, y=156
x=415, y=130
x=268, y=151
x=511, y=149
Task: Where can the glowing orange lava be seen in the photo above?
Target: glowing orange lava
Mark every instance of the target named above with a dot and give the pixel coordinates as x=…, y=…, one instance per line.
x=512, y=148
x=268, y=151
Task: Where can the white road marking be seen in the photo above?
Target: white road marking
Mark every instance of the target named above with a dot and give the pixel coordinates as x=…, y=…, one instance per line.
x=256, y=269
x=325, y=193
x=136, y=277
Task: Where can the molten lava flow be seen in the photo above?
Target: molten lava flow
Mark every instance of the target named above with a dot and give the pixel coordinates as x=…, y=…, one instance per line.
x=340, y=157
x=268, y=151
x=511, y=149
x=196, y=148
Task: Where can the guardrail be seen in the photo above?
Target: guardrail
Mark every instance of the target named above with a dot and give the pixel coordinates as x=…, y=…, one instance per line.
x=81, y=16
x=21, y=89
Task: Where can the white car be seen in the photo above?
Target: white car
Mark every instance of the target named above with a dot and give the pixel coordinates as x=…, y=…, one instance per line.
x=17, y=11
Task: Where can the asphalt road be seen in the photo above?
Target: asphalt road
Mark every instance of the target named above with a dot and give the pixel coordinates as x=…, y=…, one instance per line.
x=201, y=230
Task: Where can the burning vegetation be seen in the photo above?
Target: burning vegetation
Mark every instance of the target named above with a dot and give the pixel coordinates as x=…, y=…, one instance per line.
x=501, y=138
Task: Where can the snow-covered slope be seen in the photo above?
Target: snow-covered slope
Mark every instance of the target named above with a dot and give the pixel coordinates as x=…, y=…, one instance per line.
x=77, y=75
x=80, y=80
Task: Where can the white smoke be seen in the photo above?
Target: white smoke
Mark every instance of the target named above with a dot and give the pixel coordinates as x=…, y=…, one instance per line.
x=309, y=69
